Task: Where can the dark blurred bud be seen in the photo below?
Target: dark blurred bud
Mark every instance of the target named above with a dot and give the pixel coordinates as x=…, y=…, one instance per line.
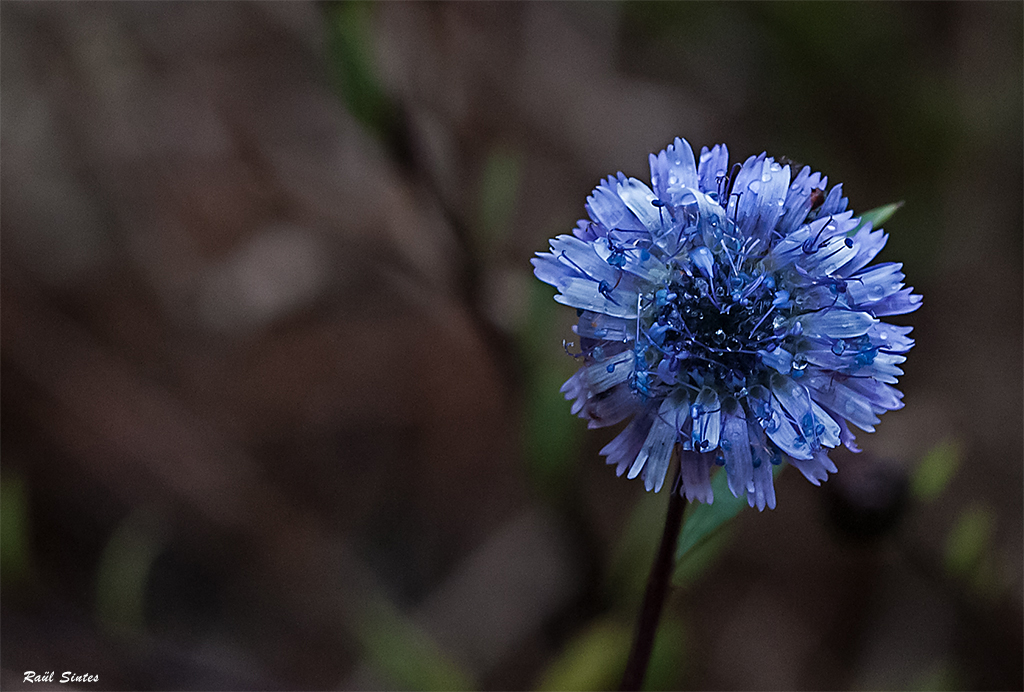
x=867, y=498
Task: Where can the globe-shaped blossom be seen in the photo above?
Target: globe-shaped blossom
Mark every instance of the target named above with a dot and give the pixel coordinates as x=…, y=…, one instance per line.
x=731, y=312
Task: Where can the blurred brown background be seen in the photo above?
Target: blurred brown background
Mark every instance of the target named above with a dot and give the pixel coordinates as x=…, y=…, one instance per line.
x=279, y=402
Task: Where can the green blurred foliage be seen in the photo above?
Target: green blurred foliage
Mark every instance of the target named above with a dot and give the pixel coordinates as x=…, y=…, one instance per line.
x=405, y=654
x=595, y=659
x=701, y=522
x=935, y=470
x=969, y=556
x=667, y=665
x=123, y=573
x=636, y=549
x=349, y=43
x=497, y=195
x=942, y=676
x=15, y=551
x=551, y=434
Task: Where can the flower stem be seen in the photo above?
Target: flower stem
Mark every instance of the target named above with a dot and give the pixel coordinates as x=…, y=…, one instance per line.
x=654, y=596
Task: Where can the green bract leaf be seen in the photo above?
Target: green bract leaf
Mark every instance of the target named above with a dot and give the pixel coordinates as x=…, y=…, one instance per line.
x=702, y=521
x=878, y=215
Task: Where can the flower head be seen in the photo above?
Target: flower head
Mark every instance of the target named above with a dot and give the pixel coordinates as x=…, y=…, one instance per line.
x=731, y=312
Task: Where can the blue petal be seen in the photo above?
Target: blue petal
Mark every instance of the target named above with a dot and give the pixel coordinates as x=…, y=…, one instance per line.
x=548, y=269
x=770, y=193
x=694, y=472
x=882, y=396
x=798, y=201
x=604, y=374
x=639, y=199
x=836, y=324
x=898, y=303
x=848, y=438
x=610, y=407
x=594, y=325
x=815, y=469
x=790, y=249
x=736, y=449
x=707, y=421
x=587, y=230
x=606, y=206
x=891, y=337
x=777, y=425
x=657, y=448
x=876, y=283
x=574, y=386
x=745, y=197
x=884, y=367
x=586, y=295
x=635, y=260
x=714, y=164
x=814, y=424
x=672, y=170
x=868, y=243
x=834, y=203
x=761, y=492
x=847, y=403
x=780, y=359
x=621, y=451
x=829, y=255
x=579, y=255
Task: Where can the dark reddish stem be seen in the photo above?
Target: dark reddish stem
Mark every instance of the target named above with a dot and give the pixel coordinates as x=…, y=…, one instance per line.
x=654, y=596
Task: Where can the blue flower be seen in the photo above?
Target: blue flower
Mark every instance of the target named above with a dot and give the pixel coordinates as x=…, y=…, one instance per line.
x=732, y=312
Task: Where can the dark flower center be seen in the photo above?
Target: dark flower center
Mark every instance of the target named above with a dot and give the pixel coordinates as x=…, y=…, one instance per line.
x=698, y=328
